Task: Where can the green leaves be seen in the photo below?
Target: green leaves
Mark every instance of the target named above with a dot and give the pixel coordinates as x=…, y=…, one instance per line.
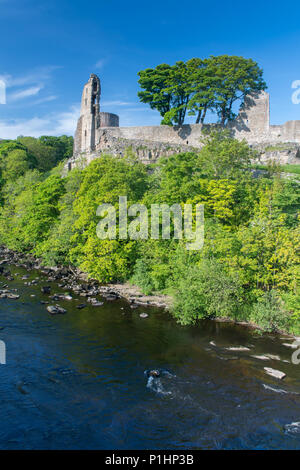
x=167, y=90
x=207, y=291
x=47, y=151
x=155, y=82
x=197, y=86
x=25, y=153
x=234, y=78
x=103, y=181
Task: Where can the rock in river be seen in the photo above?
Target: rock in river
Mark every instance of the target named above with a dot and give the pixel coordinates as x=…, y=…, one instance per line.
x=261, y=357
x=238, y=348
x=110, y=297
x=291, y=345
x=46, y=289
x=56, y=309
x=144, y=315
x=274, y=357
x=275, y=373
x=12, y=296
x=154, y=373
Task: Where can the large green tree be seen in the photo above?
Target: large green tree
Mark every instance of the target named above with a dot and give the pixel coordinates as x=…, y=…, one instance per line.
x=166, y=89
x=202, y=88
x=219, y=84
x=154, y=83
x=234, y=78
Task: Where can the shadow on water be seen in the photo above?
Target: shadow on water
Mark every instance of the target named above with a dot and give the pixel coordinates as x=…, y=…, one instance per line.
x=81, y=380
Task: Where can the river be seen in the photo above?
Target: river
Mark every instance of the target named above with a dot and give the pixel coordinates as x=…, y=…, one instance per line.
x=78, y=381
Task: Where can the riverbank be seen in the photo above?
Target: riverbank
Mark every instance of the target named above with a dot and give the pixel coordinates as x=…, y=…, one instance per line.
x=73, y=279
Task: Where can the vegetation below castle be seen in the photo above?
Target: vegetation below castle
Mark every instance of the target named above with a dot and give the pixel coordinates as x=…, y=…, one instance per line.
x=248, y=268
x=288, y=168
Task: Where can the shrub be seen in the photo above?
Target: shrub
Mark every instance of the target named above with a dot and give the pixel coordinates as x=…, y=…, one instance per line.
x=269, y=313
x=142, y=277
x=206, y=291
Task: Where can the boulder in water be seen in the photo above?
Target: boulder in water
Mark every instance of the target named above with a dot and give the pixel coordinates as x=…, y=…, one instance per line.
x=56, y=309
x=274, y=357
x=46, y=289
x=66, y=297
x=261, y=357
x=154, y=373
x=12, y=296
x=275, y=373
x=110, y=297
x=291, y=345
x=144, y=315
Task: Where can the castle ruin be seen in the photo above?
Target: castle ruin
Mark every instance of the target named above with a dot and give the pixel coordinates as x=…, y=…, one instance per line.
x=98, y=133
x=91, y=119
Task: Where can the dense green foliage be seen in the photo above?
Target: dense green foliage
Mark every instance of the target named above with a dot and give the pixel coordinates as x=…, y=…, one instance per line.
x=17, y=156
x=199, y=85
x=248, y=268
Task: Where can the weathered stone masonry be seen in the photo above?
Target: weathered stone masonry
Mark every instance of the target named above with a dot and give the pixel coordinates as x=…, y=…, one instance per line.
x=99, y=132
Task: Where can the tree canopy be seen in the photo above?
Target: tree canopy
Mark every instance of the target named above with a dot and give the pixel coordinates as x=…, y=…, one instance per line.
x=24, y=153
x=199, y=85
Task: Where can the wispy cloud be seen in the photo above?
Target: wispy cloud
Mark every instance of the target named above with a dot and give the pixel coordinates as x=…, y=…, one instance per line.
x=54, y=124
x=100, y=63
x=37, y=76
x=117, y=103
x=45, y=100
x=19, y=95
x=29, y=84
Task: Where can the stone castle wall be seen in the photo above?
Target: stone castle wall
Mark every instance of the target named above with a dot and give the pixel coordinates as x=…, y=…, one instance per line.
x=98, y=133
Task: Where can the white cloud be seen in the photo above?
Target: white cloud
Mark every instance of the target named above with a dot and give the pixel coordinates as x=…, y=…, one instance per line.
x=45, y=100
x=19, y=95
x=29, y=84
x=55, y=124
x=99, y=64
x=66, y=122
x=117, y=103
x=37, y=76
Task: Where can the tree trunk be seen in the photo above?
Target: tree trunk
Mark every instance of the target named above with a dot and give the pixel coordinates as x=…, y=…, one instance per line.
x=199, y=116
x=203, y=115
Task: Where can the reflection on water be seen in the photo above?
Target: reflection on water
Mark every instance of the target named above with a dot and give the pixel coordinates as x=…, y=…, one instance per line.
x=78, y=380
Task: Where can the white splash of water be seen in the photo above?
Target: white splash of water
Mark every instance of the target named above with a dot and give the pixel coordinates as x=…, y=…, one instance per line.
x=273, y=389
x=293, y=427
x=156, y=386
x=278, y=390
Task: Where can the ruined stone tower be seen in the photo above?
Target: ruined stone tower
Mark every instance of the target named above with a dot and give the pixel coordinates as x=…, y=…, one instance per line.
x=254, y=115
x=91, y=119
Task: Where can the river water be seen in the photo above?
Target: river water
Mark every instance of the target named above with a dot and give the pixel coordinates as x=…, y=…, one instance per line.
x=78, y=381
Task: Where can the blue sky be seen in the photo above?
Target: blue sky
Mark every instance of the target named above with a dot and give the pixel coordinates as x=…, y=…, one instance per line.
x=49, y=48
